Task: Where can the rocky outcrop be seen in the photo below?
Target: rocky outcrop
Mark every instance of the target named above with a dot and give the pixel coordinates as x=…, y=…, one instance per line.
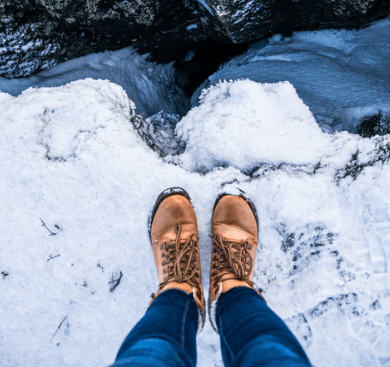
x=245, y=20
x=37, y=34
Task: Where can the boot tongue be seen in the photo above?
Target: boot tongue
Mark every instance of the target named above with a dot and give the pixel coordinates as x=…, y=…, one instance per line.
x=186, y=231
x=233, y=232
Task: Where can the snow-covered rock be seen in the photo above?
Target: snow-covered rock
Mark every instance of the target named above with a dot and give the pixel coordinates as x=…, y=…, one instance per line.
x=264, y=117
x=245, y=21
x=38, y=34
x=150, y=85
x=342, y=76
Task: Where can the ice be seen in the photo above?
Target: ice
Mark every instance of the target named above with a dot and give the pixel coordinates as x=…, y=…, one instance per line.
x=191, y=26
x=206, y=6
x=151, y=86
x=80, y=172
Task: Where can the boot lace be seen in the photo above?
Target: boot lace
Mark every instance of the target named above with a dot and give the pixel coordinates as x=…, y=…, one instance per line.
x=181, y=259
x=232, y=260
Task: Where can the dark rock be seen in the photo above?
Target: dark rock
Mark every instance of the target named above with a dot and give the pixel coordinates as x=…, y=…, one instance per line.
x=378, y=124
x=206, y=58
x=37, y=34
x=244, y=21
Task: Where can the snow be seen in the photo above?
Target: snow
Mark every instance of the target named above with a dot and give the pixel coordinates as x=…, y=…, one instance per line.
x=151, y=86
x=77, y=158
x=342, y=76
x=191, y=26
x=206, y=6
x=20, y=48
x=262, y=116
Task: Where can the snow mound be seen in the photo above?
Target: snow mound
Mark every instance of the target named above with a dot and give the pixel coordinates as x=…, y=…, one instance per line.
x=343, y=76
x=267, y=124
x=78, y=184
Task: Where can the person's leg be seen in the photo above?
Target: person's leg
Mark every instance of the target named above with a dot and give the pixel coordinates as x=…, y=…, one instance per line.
x=253, y=335
x=165, y=336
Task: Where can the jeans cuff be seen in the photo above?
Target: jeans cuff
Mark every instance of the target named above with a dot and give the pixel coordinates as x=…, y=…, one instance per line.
x=201, y=312
x=213, y=306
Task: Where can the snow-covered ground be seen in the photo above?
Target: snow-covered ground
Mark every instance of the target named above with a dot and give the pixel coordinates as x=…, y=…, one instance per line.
x=78, y=179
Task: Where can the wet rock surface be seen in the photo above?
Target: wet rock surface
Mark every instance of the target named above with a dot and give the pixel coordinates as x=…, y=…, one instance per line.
x=38, y=34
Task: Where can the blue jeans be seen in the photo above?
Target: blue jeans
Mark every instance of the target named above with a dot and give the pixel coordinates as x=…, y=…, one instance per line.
x=251, y=333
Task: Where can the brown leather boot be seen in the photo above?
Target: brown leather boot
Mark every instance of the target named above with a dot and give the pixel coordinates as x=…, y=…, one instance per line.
x=174, y=238
x=234, y=233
